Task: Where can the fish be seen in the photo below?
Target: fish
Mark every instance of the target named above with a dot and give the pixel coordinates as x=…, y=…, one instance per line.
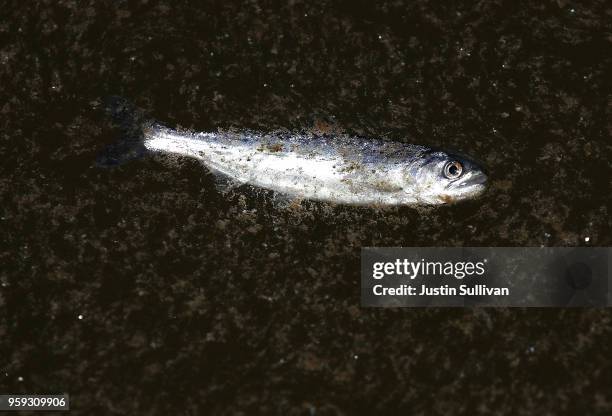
x=340, y=169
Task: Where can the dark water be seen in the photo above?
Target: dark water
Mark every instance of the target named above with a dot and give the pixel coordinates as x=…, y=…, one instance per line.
x=145, y=290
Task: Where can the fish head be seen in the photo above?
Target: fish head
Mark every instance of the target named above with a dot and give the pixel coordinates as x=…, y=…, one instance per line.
x=444, y=178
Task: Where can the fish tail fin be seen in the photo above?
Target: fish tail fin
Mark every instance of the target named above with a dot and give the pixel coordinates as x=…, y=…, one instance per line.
x=131, y=123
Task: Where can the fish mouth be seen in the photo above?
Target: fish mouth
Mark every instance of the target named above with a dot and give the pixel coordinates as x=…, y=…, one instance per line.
x=477, y=179
x=472, y=185
x=477, y=189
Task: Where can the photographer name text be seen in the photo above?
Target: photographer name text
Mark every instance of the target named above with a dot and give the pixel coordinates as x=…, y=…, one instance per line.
x=404, y=268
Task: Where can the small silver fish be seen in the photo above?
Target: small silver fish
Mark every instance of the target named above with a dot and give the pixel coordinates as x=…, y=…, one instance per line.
x=345, y=170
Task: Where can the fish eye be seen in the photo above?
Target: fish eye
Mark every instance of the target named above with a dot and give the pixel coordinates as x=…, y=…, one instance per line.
x=452, y=170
